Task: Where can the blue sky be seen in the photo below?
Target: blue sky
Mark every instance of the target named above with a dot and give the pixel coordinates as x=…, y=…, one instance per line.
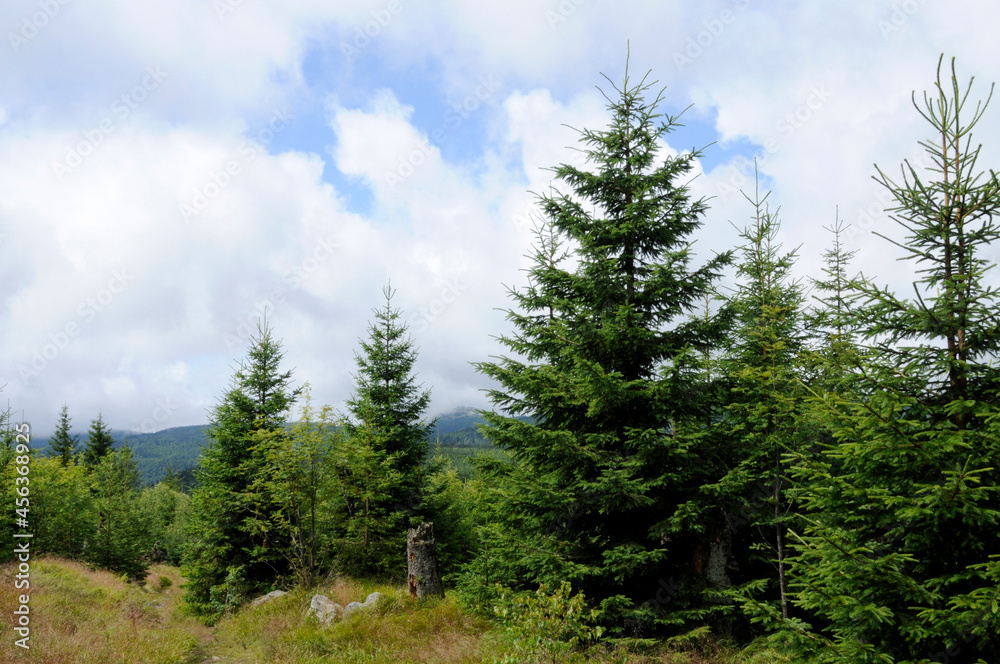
x=169, y=170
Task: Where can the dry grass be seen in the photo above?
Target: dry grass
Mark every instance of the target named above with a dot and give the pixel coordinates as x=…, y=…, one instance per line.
x=82, y=616
x=399, y=631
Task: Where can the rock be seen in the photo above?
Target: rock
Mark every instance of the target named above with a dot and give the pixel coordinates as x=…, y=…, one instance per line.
x=325, y=610
x=372, y=600
x=263, y=599
x=352, y=607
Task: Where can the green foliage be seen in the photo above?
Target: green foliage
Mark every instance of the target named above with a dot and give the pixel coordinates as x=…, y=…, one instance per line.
x=99, y=442
x=548, y=627
x=762, y=415
x=164, y=511
x=373, y=536
x=387, y=400
x=120, y=535
x=227, y=555
x=62, y=445
x=606, y=370
x=297, y=492
x=63, y=511
x=449, y=503
x=895, y=553
x=385, y=449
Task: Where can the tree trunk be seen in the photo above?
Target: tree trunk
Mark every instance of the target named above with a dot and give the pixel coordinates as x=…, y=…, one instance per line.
x=422, y=574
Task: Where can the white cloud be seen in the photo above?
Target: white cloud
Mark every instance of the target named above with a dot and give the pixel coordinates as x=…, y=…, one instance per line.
x=95, y=247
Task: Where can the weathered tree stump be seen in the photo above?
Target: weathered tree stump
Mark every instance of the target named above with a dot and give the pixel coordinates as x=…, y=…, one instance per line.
x=422, y=574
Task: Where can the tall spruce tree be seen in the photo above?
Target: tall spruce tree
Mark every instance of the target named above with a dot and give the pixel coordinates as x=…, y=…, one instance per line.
x=898, y=554
x=606, y=364
x=762, y=416
x=228, y=558
x=388, y=405
x=99, y=442
x=62, y=445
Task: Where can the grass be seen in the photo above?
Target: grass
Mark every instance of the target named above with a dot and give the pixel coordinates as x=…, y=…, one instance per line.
x=82, y=616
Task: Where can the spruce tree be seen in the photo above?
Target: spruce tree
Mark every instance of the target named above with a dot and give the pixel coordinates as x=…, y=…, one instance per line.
x=896, y=556
x=606, y=365
x=762, y=416
x=228, y=558
x=120, y=536
x=99, y=442
x=387, y=397
x=62, y=445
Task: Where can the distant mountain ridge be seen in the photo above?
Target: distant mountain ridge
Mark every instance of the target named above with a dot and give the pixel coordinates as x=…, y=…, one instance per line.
x=178, y=448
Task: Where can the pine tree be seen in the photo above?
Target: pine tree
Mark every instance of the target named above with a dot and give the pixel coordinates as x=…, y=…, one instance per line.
x=227, y=558
x=607, y=365
x=99, y=442
x=62, y=445
x=896, y=557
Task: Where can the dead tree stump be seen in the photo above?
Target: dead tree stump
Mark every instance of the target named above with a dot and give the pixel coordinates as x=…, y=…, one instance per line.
x=422, y=574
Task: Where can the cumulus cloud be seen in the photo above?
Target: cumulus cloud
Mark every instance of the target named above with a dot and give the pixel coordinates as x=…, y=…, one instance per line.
x=170, y=172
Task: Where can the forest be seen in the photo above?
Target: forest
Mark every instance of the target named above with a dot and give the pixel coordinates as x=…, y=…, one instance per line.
x=804, y=471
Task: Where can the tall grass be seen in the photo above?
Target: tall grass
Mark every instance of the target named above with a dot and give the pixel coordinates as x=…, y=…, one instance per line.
x=81, y=616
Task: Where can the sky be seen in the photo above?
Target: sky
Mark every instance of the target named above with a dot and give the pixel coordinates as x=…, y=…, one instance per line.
x=168, y=171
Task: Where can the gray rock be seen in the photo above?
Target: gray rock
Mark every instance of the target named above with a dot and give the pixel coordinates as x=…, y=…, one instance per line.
x=352, y=607
x=263, y=599
x=325, y=610
x=372, y=600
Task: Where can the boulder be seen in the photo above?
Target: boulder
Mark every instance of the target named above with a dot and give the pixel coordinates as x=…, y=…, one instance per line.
x=263, y=599
x=372, y=600
x=326, y=610
x=352, y=607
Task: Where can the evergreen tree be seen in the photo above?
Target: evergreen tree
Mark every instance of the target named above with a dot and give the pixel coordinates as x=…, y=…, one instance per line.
x=388, y=400
x=897, y=557
x=227, y=558
x=603, y=478
x=120, y=535
x=99, y=442
x=386, y=446
x=62, y=445
x=762, y=419
x=300, y=481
